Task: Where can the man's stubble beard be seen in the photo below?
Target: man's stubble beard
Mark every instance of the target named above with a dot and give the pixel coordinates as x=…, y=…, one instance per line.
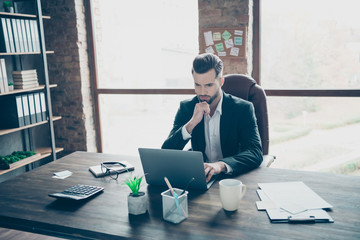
x=210, y=100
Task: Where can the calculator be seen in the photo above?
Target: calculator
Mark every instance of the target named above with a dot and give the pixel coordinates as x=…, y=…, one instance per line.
x=78, y=192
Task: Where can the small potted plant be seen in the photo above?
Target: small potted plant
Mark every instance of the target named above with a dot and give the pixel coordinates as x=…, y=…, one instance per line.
x=8, y=7
x=11, y=86
x=137, y=200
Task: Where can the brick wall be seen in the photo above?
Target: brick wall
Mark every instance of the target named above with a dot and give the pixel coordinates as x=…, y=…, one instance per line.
x=229, y=13
x=65, y=33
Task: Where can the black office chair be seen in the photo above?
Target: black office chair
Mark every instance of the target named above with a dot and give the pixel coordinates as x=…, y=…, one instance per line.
x=245, y=87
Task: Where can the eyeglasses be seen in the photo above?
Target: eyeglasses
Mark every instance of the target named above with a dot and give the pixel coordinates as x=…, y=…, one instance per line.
x=113, y=169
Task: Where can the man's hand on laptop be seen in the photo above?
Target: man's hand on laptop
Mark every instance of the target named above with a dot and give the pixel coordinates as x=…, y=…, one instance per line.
x=214, y=168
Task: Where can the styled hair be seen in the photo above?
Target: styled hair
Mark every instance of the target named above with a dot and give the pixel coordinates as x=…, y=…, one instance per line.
x=207, y=61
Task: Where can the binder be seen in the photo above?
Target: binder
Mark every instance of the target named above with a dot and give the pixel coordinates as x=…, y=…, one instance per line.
x=37, y=107
x=43, y=106
x=20, y=35
x=32, y=34
x=20, y=112
x=12, y=115
x=4, y=75
x=2, y=88
x=28, y=35
x=16, y=35
x=26, y=109
x=32, y=108
x=35, y=36
x=24, y=35
x=11, y=36
x=4, y=37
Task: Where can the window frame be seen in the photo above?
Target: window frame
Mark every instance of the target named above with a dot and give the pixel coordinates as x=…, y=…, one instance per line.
x=287, y=92
x=256, y=74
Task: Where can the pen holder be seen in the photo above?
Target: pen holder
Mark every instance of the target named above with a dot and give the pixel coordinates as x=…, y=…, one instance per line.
x=175, y=211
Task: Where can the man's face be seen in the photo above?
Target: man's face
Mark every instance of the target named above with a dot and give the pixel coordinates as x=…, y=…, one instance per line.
x=207, y=88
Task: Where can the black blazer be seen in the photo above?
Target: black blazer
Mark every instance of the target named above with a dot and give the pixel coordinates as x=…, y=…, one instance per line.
x=239, y=135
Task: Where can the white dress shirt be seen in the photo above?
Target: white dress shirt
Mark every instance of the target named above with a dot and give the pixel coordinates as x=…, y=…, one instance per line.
x=212, y=136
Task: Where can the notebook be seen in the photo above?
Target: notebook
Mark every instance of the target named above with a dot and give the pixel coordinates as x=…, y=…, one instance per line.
x=98, y=172
x=177, y=165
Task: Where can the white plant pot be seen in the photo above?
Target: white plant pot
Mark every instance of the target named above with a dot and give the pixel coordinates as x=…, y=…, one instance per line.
x=137, y=204
x=9, y=9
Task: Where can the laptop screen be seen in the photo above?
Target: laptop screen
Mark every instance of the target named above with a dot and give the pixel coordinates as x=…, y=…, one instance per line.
x=177, y=165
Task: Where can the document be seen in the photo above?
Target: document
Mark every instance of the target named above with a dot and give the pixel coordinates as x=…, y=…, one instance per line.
x=208, y=38
x=62, y=174
x=292, y=202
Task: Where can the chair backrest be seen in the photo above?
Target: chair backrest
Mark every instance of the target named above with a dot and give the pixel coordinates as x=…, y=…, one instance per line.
x=245, y=87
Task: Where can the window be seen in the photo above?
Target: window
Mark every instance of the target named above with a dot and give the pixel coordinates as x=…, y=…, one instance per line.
x=142, y=45
x=146, y=44
x=312, y=45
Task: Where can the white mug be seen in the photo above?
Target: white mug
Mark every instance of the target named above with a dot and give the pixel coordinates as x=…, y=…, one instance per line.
x=231, y=192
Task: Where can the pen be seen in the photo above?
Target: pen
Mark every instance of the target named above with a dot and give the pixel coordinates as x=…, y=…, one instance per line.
x=174, y=194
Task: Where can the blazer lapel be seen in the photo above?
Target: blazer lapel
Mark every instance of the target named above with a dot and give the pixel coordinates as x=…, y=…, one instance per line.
x=198, y=137
x=225, y=123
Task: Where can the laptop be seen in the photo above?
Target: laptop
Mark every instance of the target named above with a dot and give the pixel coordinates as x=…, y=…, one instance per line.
x=177, y=165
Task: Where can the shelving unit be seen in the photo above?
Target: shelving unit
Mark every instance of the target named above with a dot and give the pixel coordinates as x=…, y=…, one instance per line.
x=40, y=87
x=21, y=15
x=44, y=152
x=24, y=53
x=11, y=130
x=25, y=134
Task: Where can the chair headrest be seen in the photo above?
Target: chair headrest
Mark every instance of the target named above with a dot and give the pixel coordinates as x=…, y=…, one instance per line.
x=238, y=85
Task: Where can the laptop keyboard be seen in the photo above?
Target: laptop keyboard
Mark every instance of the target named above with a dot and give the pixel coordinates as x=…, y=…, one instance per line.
x=78, y=192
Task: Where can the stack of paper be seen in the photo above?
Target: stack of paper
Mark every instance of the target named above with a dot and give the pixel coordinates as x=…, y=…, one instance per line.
x=292, y=202
x=25, y=79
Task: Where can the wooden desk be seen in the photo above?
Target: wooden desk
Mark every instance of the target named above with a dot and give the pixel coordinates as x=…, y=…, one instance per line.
x=25, y=205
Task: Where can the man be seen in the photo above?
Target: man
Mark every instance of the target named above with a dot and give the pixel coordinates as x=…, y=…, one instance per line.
x=221, y=126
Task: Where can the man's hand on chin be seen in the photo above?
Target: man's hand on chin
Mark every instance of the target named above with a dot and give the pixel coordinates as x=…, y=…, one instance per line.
x=213, y=168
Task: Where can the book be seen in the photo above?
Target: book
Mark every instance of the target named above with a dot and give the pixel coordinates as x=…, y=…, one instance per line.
x=4, y=74
x=4, y=37
x=26, y=86
x=26, y=83
x=98, y=172
x=25, y=77
x=24, y=72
